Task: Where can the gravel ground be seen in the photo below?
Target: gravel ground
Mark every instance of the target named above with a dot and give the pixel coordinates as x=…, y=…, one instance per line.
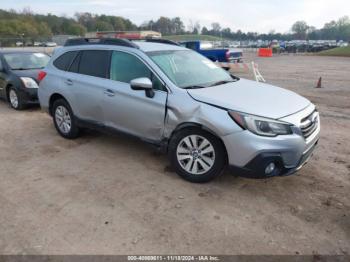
x=103, y=194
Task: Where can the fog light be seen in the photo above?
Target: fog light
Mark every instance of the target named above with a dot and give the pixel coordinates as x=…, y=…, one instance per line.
x=270, y=168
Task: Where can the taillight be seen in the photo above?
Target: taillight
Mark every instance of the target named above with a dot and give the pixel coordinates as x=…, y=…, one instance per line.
x=228, y=55
x=41, y=75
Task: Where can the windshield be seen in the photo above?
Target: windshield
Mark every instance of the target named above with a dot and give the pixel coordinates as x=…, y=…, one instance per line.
x=23, y=61
x=187, y=69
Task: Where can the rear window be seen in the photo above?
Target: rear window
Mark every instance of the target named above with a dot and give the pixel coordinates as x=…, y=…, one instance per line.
x=94, y=63
x=64, y=61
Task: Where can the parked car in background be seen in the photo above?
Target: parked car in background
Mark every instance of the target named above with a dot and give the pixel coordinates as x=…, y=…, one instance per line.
x=28, y=43
x=234, y=44
x=341, y=43
x=38, y=44
x=49, y=44
x=18, y=76
x=19, y=44
x=226, y=55
x=276, y=47
x=170, y=96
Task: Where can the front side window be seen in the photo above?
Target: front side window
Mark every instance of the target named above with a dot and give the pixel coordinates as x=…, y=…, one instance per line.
x=94, y=63
x=186, y=68
x=26, y=61
x=126, y=67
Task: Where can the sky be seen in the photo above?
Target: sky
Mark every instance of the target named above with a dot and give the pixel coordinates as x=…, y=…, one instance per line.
x=247, y=15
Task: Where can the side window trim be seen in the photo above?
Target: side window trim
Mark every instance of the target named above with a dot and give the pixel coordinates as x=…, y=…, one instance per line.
x=77, y=56
x=146, y=64
x=108, y=73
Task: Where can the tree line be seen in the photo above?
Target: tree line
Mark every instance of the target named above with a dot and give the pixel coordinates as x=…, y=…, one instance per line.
x=27, y=24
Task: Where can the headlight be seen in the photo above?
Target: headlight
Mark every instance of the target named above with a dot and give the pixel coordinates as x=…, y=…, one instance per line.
x=29, y=82
x=261, y=126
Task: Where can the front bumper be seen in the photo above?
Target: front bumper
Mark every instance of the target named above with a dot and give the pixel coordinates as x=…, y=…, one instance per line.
x=249, y=154
x=29, y=95
x=256, y=167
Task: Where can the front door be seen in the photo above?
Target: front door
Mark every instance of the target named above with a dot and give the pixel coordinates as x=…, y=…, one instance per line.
x=130, y=110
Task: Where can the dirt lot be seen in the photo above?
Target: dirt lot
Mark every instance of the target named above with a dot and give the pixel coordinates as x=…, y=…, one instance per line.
x=104, y=194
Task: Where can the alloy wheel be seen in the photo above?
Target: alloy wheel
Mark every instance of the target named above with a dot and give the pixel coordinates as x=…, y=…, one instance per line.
x=195, y=154
x=13, y=98
x=63, y=119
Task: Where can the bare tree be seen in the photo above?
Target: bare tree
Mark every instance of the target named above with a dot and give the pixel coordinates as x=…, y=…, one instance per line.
x=197, y=27
x=216, y=28
x=300, y=29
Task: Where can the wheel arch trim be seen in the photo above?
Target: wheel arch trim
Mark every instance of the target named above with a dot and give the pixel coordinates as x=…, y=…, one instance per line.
x=193, y=125
x=53, y=98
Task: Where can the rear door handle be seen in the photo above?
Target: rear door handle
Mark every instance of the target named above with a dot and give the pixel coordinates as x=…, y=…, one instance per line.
x=69, y=82
x=109, y=92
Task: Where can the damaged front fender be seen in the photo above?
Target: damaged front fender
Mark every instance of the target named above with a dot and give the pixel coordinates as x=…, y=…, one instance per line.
x=183, y=111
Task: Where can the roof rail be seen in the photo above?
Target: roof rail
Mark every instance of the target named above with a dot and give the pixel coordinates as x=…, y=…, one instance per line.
x=100, y=41
x=161, y=41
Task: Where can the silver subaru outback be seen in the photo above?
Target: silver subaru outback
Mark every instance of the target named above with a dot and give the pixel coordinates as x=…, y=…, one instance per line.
x=201, y=115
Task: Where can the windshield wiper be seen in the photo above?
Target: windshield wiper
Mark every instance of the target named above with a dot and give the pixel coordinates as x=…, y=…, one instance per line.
x=193, y=87
x=30, y=68
x=221, y=82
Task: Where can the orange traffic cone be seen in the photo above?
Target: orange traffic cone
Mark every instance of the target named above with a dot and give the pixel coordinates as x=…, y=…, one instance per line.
x=319, y=83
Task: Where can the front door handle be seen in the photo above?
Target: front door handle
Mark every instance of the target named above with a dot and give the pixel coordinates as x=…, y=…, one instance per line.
x=109, y=92
x=69, y=82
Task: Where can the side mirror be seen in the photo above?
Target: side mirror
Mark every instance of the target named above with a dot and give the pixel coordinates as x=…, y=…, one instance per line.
x=143, y=83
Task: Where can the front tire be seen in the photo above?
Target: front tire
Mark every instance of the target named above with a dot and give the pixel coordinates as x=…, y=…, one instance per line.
x=64, y=119
x=15, y=99
x=197, y=155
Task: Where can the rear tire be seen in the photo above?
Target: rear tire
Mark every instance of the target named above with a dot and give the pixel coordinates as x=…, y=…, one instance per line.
x=196, y=155
x=64, y=120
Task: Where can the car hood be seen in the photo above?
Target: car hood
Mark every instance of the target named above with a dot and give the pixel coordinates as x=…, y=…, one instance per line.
x=33, y=73
x=252, y=98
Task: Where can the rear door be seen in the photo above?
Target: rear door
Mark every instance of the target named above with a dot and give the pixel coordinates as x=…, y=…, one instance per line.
x=130, y=110
x=86, y=79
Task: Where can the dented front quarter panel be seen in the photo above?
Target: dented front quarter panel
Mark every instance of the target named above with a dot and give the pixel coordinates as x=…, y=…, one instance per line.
x=183, y=109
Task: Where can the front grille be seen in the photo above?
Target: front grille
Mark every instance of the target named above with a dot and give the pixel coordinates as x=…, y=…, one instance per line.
x=309, y=124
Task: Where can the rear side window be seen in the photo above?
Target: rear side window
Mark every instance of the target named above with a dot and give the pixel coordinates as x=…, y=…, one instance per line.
x=74, y=67
x=64, y=61
x=94, y=63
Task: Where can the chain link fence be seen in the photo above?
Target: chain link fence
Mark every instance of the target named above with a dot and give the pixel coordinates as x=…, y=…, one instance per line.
x=23, y=41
